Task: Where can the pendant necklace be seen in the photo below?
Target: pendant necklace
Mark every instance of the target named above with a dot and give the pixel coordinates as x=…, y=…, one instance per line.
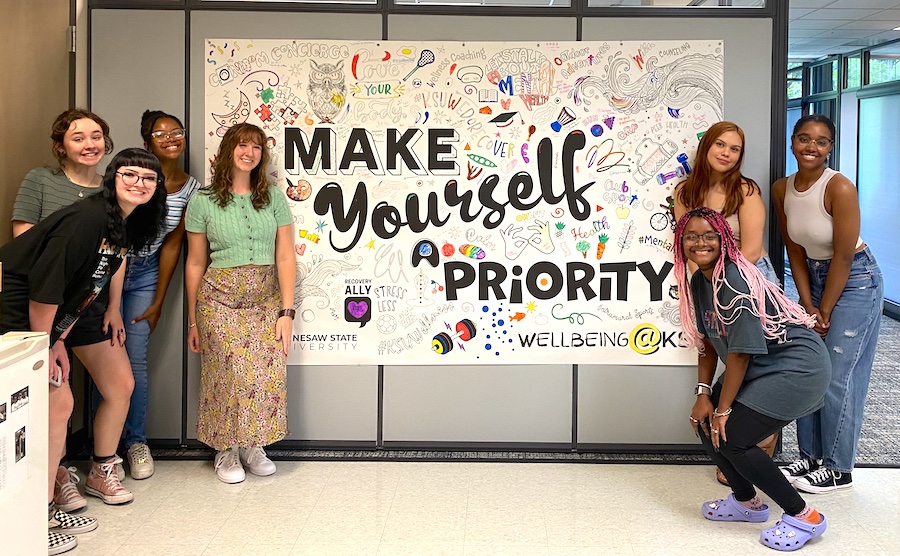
x=80, y=187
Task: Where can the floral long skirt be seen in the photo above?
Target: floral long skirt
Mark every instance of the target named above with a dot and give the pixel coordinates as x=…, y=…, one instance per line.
x=243, y=373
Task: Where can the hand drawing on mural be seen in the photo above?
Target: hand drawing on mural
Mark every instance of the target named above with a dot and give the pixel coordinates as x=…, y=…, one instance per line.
x=312, y=278
x=695, y=77
x=515, y=241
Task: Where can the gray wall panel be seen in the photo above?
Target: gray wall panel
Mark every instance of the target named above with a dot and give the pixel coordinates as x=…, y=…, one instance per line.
x=333, y=403
x=635, y=405
x=137, y=63
x=478, y=403
x=662, y=395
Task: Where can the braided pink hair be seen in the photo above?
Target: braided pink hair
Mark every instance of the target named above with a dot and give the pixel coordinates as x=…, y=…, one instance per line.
x=761, y=290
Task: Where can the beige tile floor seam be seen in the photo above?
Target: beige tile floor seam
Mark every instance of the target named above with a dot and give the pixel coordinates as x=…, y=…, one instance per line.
x=464, y=508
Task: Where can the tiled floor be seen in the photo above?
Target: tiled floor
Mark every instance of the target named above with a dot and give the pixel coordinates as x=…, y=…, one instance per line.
x=380, y=508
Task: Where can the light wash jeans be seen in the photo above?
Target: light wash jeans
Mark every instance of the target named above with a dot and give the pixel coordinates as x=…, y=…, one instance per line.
x=764, y=264
x=832, y=432
x=138, y=293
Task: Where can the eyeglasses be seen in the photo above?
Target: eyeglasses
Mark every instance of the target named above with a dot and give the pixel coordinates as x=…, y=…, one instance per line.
x=130, y=178
x=708, y=237
x=806, y=140
x=174, y=134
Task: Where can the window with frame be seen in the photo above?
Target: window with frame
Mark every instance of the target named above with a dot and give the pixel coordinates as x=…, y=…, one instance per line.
x=823, y=78
x=884, y=64
x=676, y=4
x=795, y=80
x=853, y=72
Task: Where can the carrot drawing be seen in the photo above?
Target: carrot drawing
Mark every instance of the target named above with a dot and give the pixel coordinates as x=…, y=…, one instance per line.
x=601, y=247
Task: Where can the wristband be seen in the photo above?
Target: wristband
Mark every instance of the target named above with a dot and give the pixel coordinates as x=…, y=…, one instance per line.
x=287, y=313
x=702, y=388
x=725, y=413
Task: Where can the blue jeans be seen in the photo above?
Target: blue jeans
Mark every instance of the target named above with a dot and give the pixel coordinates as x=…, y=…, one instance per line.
x=764, y=264
x=831, y=433
x=138, y=293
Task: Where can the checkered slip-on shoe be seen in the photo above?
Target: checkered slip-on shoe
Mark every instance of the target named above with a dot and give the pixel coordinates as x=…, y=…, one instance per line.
x=72, y=524
x=57, y=543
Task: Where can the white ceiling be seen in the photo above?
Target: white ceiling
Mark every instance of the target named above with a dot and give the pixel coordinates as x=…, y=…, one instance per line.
x=820, y=28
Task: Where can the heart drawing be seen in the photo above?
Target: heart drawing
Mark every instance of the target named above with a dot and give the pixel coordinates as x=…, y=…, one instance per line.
x=357, y=308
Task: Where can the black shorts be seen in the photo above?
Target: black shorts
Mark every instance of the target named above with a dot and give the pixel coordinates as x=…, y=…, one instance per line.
x=88, y=329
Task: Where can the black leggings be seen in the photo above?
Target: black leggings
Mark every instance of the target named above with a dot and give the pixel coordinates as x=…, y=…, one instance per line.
x=745, y=464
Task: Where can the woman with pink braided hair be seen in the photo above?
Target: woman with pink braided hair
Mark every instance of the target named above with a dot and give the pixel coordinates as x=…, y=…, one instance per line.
x=718, y=182
x=776, y=370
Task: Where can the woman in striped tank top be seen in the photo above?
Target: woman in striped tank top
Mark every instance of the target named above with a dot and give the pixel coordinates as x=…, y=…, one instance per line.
x=148, y=275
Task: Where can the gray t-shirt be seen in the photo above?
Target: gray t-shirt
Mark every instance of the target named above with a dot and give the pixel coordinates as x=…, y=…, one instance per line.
x=45, y=191
x=784, y=380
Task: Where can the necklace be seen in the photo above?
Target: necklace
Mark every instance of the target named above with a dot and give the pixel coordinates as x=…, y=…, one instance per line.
x=81, y=187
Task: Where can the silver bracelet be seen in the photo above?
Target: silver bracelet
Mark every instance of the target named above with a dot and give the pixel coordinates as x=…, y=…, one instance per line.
x=725, y=413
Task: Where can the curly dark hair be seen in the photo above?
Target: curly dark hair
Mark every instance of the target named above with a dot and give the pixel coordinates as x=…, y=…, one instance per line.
x=147, y=221
x=223, y=165
x=148, y=120
x=818, y=119
x=63, y=122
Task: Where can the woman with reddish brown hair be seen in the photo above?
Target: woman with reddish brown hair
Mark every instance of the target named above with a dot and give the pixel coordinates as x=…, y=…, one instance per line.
x=241, y=308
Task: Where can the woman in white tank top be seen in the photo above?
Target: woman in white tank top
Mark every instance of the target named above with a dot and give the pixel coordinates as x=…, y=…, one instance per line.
x=716, y=182
x=840, y=284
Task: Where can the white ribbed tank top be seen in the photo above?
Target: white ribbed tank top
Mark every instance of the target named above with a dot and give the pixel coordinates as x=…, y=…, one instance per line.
x=808, y=223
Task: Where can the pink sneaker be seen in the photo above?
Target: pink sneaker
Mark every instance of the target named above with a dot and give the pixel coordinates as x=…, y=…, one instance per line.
x=103, y=482
x=65, y=494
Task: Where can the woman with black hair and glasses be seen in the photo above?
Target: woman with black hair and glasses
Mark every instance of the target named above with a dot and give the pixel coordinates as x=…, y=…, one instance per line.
x=841, y=285
x=51, y=274
x=147, y=279
x=776, y=370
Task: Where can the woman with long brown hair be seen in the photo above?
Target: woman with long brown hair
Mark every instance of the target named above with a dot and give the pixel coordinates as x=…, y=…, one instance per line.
x=240, y=308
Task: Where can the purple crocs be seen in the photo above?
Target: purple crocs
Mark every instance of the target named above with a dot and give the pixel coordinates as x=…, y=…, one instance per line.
x=791, y=533
x=730, y=509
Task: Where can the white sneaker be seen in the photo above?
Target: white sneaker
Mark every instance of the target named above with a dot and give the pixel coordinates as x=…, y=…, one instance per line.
x=257, y=461
x=228, y=466
x=140, y=461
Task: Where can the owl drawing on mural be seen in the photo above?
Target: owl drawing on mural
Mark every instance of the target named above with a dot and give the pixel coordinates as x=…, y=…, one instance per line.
x=327, y=90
